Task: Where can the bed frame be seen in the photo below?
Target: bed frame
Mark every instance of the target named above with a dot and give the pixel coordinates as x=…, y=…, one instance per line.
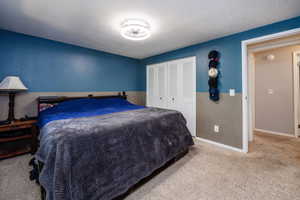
x=53, y=100
x=58, y=99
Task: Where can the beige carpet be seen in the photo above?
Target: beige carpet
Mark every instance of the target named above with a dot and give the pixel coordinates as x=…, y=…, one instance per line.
x=270, y=171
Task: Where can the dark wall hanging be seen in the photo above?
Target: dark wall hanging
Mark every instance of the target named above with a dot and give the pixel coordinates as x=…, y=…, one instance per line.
x=213, y=74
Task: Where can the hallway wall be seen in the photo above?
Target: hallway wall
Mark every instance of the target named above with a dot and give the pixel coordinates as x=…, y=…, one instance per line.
x=274, y=107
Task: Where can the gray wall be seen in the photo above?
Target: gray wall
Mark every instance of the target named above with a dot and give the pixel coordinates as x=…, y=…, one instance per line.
x=274, y=112
x=26, y=102
x=227, y=113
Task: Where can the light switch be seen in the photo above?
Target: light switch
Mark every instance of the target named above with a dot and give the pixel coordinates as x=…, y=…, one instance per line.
x=270, y=91
x=232, y=92
x=216, y=128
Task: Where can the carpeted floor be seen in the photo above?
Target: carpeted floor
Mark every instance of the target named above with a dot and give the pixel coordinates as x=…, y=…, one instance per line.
x=270, y=171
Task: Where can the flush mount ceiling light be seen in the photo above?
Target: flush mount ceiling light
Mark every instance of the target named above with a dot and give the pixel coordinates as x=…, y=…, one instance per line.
x=135, y=29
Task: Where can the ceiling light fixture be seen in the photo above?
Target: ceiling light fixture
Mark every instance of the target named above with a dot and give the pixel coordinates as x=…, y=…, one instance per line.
x=270, y=57
x=135, y=29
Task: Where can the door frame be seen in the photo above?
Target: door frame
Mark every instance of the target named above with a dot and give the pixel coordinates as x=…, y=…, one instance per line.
x=193, y=58
x=296, y=85
x=251, y=64
x=247, y=103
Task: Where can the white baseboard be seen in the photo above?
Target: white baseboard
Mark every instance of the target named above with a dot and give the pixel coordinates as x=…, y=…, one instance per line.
x=219, y=144
x=274, y=132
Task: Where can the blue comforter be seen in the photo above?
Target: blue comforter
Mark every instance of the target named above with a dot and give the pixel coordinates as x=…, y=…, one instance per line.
x=85, y=108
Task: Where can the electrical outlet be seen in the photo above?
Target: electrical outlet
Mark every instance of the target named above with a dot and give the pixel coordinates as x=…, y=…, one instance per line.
x=216, y=128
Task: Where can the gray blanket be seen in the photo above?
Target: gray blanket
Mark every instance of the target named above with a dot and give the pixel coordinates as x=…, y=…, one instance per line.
x=99, y=158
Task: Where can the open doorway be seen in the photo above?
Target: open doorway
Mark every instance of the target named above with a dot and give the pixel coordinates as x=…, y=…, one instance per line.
x=275, y=84
x=270, y=91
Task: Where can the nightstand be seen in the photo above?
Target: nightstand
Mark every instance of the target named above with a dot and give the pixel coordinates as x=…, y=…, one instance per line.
x=18, y=137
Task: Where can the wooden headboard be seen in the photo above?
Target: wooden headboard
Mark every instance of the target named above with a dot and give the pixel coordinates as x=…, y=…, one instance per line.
x=48, y=101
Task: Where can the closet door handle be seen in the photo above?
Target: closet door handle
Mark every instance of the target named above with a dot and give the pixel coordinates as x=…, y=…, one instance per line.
x=160, y=98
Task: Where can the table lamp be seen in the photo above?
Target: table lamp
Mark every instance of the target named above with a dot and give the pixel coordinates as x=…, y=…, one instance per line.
x=11, y=85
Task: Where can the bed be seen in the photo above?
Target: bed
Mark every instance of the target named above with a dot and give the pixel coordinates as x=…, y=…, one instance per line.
x=98, y=147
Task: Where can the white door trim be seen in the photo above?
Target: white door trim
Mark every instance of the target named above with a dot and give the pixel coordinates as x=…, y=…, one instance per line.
x=247, y=105
x=296, y=86
x=251, y=64
x=276, y=45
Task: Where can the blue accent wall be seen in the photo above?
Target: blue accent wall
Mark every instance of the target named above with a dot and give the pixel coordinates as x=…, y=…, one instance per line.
x=230, y=49
x=49, y=66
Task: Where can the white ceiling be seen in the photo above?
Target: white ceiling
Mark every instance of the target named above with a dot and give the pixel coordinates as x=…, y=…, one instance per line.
x=175, y=23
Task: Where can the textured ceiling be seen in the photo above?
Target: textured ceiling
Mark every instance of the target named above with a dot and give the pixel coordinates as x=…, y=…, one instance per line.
x=175, y=23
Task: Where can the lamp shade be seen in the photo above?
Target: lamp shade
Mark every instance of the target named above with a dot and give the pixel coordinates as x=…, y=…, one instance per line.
x=12, y=84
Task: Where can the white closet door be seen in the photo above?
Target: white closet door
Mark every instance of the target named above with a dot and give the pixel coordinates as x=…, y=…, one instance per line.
x=182, y=89
x=162, y=85
x=157, y=85
x=174, y=83
x=151, y=85
x=188, y=92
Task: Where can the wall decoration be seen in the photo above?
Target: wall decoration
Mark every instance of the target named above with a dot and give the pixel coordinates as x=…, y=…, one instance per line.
x=213, y=74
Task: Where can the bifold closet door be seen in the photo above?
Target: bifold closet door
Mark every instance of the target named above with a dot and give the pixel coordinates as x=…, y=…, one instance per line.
x=172, y=85
x=151, y=85
x=187, y=71
x=182, y=89
x=157, y=85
